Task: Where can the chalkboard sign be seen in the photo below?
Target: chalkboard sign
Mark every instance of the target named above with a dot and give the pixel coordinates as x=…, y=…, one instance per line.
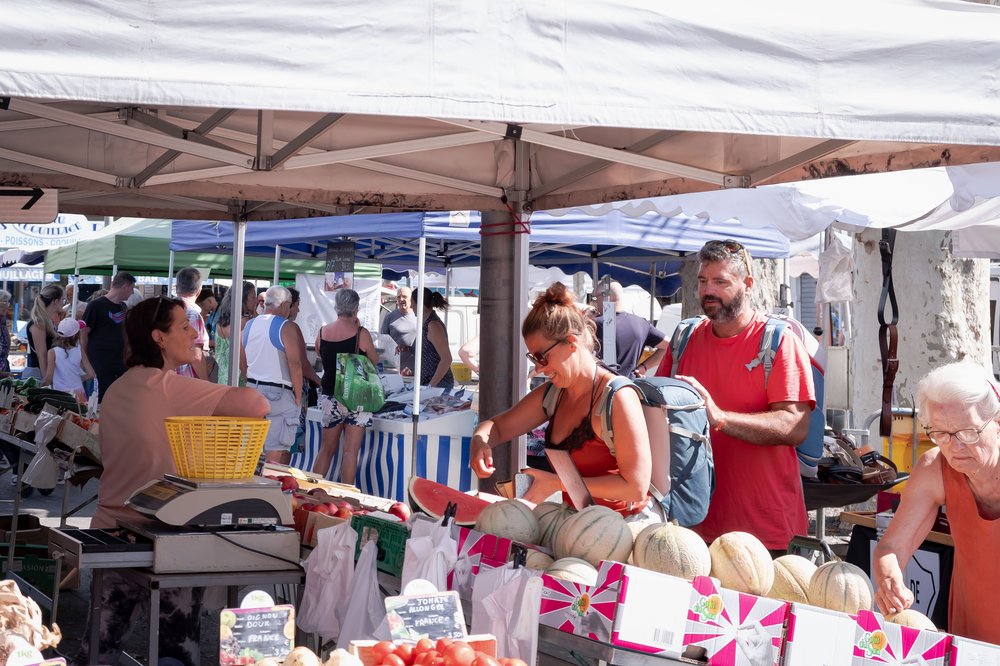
x=437, y=615
x=247, y=635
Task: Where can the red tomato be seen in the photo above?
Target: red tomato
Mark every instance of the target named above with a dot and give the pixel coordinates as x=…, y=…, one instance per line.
x=393, y=659
x=517, y=662
x=504, y=661
x=423, y=645
x=483, y=659
x=442, y=644
x=459, y=654
x=381, y=649
x=405, y=652
x=437, y=661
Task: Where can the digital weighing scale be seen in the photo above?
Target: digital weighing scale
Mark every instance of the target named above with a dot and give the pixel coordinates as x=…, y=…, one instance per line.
x=201, y=503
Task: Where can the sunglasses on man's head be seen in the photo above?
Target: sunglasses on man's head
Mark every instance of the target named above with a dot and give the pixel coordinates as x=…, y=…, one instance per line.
x=732, y=247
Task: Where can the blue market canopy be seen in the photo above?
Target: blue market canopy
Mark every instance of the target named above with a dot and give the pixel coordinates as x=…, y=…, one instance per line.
x=628, y=248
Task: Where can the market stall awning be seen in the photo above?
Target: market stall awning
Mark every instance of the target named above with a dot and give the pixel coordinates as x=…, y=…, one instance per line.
x=402, y=105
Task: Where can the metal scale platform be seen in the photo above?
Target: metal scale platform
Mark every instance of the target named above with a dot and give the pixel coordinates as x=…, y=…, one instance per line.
x=193, y=526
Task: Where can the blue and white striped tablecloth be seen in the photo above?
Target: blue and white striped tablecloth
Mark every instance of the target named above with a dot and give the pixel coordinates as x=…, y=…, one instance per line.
x=442, y=453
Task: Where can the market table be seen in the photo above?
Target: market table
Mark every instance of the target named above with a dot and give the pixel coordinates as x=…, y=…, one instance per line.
x=442, y=453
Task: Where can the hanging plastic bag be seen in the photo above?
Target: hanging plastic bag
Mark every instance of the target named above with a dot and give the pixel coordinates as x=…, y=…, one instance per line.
x=431, y=553
x=506, y=603
x=329, y=575
x=43, y=472
x=363, y=616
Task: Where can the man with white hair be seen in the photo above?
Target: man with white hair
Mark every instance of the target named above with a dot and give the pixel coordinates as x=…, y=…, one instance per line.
x=272, y=363
x=632, y=335
x=401, y=326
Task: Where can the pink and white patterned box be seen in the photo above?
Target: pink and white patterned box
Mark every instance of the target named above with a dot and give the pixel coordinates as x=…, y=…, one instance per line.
x=967, y=652
x=666, y=616
x=732, y=628
x=877, y=641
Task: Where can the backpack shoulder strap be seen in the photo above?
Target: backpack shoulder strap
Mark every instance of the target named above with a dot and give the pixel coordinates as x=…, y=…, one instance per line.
x=769, y=343
x=604, y=408
x=679, y=340
x=550, y=398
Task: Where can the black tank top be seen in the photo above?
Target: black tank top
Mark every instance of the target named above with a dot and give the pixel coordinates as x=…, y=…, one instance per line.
x=328, y=350
x=32, y=361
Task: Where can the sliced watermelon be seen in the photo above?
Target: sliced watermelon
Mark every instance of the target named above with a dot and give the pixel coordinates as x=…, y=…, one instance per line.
x=432, y=498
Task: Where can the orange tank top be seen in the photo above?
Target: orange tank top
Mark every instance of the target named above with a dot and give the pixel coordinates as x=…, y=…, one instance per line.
x=975, y=576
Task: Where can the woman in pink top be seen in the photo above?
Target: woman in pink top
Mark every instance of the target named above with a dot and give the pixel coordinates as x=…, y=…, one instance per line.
x=959, y=407
x=135, y=450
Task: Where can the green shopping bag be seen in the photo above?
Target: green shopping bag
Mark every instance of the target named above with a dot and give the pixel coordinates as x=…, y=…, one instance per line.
x=358, y=386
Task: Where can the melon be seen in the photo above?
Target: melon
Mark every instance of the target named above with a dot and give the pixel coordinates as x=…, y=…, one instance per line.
x=792, y=574
x=912, y=618
x=432, y=498
x=574, y=570
x=841, y=587
x=672, y=549
x=741, y=563
x=536, y=559
x=510, y=519
x=551, y=516
x=594, y=534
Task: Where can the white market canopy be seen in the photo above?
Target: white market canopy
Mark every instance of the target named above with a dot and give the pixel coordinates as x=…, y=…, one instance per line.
x=267, y=110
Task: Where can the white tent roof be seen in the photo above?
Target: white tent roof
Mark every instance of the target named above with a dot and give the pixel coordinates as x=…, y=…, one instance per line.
x=262, y=109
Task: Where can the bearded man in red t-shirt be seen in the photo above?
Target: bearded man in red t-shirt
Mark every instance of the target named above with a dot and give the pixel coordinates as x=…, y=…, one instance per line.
x=755, y=428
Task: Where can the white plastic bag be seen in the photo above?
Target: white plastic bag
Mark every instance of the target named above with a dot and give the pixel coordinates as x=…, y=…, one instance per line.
x=836, y=273
x=363, y=616
x=42, y=471
x=506, y=603
x=431, y=553
x=329, y=575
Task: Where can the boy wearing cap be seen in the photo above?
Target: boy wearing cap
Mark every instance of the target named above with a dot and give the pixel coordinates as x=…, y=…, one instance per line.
x=68, y=368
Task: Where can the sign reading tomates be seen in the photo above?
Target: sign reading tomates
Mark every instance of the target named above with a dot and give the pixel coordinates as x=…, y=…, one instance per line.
x=437, y=615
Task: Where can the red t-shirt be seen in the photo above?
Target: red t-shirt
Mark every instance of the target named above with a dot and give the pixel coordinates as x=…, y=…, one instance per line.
x=758, y=488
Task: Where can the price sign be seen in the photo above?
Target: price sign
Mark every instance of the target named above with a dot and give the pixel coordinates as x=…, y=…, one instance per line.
x=247, y=635
x=437, y=615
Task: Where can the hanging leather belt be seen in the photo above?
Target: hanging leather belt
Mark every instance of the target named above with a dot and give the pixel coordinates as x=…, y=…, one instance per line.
x=887, y=335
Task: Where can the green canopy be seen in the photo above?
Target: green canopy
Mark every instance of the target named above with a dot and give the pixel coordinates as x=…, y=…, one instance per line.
x=143, y=248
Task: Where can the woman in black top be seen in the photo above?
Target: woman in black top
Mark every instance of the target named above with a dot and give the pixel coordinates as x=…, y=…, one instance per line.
x=343, y=335
x=41, y=330
x=435, y=359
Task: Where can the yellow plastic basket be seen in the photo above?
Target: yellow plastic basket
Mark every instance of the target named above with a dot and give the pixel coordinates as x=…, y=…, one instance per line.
x=216, y=447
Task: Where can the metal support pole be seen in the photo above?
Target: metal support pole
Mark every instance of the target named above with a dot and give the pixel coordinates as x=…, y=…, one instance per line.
x=236, y=296
x=170, y=271
x=277, y=265
x=419, y=351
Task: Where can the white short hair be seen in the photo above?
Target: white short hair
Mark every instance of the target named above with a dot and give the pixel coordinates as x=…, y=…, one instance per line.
x=276, y=296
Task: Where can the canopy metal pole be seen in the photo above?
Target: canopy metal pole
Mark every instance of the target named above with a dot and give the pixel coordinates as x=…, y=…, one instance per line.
x=652, y=292
x=76, y=295
x=418, y=360
x=170, y=268
x=593, y=265
x=447, y=282
x=277, y=264
x=236, y=299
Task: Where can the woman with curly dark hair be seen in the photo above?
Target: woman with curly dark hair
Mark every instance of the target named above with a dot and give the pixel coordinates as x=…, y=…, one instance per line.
x=435, y=359
x=560, y=340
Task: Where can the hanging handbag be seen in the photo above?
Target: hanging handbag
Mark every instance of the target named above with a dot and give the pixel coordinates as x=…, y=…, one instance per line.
x=358, y=386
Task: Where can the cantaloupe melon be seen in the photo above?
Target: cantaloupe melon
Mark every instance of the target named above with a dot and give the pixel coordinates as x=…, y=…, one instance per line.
x=672, y=549
x=551, y=516
x=511, y=519
x=573, y=569
x=912, y=618
x=741, y=562
x=537, y=560
x=792, y=574
x=594, y=534
x=841, y=587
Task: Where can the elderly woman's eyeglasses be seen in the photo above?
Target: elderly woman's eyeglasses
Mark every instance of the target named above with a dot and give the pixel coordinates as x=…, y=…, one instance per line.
x=542, y=358
x=732, y=247
x=965, y=435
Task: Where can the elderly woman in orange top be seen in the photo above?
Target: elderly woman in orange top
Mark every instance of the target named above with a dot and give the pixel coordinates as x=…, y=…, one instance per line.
x=959, y=407
x=561, y=343
x=135, y=450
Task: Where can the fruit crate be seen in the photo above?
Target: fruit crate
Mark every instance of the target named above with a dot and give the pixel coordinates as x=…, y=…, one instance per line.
x=390, y=538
